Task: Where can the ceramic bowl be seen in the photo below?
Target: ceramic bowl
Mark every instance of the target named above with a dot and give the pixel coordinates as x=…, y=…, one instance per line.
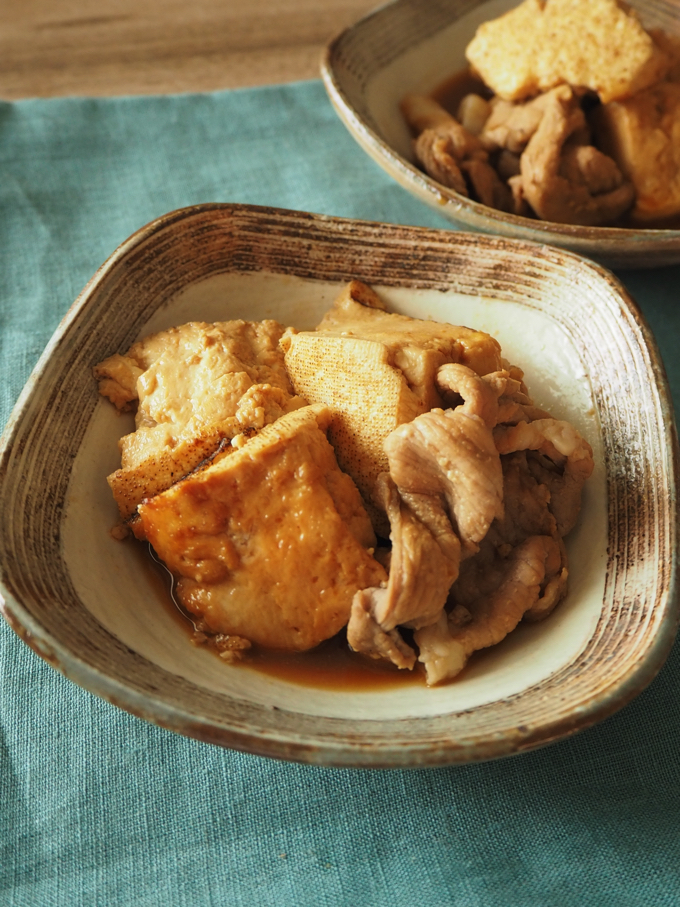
x=88, y=605
x=415, y=45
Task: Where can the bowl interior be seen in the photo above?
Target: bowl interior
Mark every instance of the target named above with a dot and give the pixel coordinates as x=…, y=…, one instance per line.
x=116, y=585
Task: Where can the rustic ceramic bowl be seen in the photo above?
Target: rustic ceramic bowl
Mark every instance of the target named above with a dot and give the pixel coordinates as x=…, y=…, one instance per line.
x=415, y=45
x=87, y=603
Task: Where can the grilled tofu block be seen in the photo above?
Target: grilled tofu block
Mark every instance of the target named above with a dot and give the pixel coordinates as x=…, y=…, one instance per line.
x=594, y=44
x=642, y=134
x=271, y=543
x=194, y=386
x=376, y=370
x=415, y=345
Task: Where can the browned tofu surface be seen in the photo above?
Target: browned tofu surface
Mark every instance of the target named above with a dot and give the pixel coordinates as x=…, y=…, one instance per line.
x=194, y=386
x=376, y=370
x=194, y=376
x=411, y=342
x=642, y=134
x=271, y=542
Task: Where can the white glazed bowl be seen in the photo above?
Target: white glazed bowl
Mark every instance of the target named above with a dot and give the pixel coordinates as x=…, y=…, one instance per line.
x=415, y=45
x=86, y=604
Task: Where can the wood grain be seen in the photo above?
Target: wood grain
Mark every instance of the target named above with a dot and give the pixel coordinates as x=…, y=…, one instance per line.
x=51, y=48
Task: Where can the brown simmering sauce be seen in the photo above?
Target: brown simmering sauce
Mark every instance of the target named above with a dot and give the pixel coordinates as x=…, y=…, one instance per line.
x=452, y=90
x=331, y=665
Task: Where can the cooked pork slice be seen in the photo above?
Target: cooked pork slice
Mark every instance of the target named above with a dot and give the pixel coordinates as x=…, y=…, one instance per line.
x=552, y=591
x=435, y=152
x=452, y=154
x=450, y=455
x=445, y=488
x=567, y=183
x=443, y=656
x=487, y=186
x=493, y=592
x=480, y=394
x=424, y=561
x=271, y=542
x=526, y=513
x=422, y=112
x=365, y=635
x=563, y=462
x=510, y=126
x=526, y=502
x=498, y=398
x=507, y=165
x=530, y=567
x=514, y=403
x=520, y=205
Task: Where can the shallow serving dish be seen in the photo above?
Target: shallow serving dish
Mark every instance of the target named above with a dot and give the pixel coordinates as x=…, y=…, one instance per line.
x=87, y=605
x=415, y=45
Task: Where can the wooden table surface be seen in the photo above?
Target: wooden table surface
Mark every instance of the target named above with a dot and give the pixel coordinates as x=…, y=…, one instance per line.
x=51, y=48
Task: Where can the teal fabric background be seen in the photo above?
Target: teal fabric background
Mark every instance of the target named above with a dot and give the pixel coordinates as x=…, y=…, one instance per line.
x=99, y=808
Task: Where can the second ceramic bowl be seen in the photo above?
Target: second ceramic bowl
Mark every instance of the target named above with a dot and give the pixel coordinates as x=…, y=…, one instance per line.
x=415, y=45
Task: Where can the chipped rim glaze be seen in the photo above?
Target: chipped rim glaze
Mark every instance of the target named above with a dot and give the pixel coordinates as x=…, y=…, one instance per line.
x=356, y=57
x=640, y=609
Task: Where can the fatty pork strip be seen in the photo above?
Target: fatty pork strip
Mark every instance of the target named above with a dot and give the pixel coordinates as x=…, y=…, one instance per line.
x=562, y=462
x=509, y=512
x=445, y=488
x=521, y=569
x=453, y=155
x=541, y=149
x=270, y=542
x=193, y=386
x=424, y=545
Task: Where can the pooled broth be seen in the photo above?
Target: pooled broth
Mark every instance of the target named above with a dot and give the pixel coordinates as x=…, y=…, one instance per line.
x=331, y=665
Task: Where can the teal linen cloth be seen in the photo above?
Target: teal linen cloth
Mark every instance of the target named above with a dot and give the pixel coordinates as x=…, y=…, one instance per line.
x=99, y=808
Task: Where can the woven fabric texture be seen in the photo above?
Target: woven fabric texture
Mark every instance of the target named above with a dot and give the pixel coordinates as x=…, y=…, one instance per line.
x=99, y=808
